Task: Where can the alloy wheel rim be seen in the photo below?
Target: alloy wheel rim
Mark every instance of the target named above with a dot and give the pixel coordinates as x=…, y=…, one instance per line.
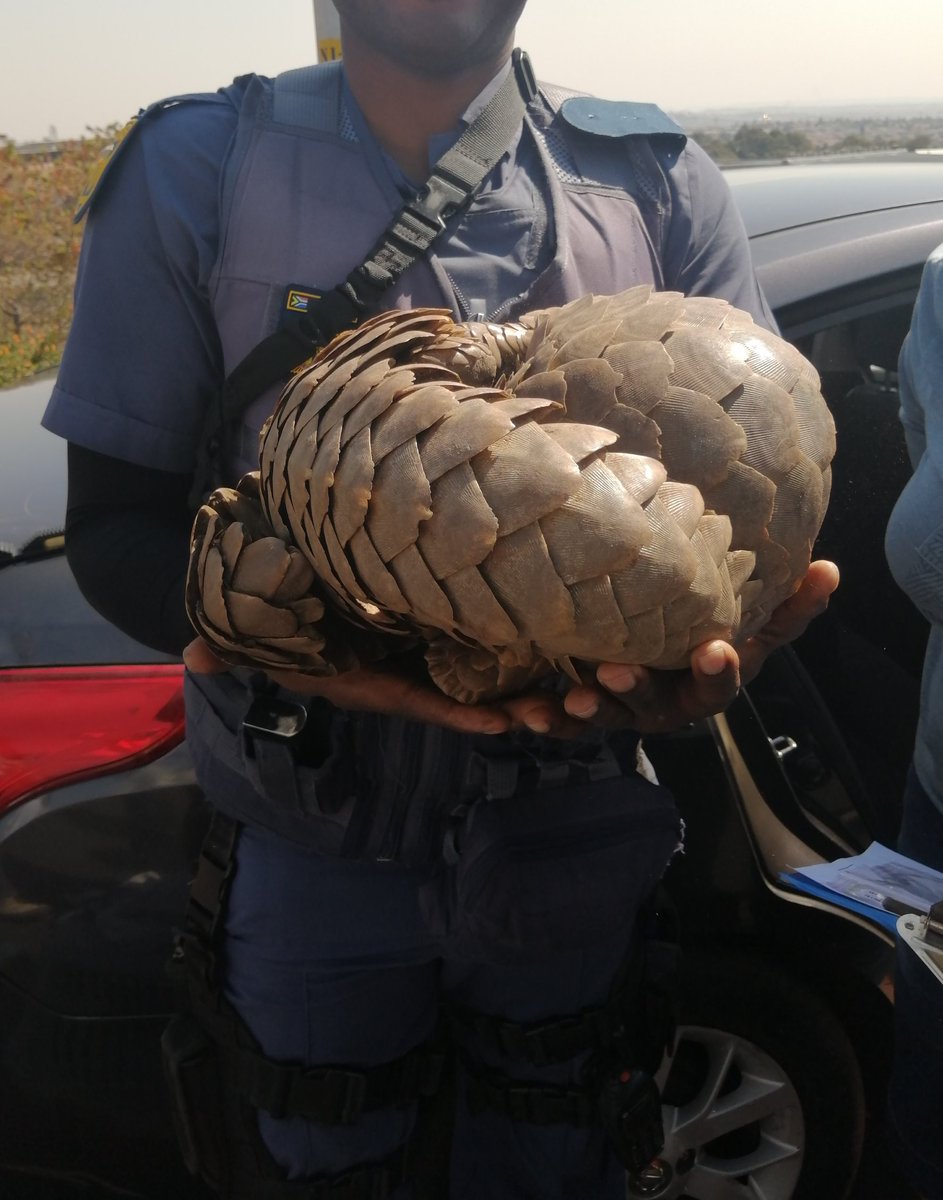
x=734, y=1128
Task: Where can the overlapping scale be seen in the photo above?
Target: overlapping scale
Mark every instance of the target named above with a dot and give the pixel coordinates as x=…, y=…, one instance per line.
x=614, y=480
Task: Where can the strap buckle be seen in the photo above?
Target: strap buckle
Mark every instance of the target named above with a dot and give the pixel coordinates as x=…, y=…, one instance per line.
x=439, y=199
x=328, y=1094
x=331, y=1095
x=274, y=718
x=630, y=1112
x=524, y=73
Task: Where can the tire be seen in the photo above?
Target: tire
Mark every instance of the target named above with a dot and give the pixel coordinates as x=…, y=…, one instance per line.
x=762, y=1098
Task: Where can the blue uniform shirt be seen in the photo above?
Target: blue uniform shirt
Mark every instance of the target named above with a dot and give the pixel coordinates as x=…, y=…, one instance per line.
x=142, y=293
x=144, y=355
x=915, y=531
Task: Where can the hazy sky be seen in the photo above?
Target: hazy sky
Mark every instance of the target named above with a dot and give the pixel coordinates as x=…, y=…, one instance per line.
x=71, y=64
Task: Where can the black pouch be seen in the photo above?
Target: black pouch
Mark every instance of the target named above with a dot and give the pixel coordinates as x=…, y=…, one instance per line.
x=191, y=1068
x=531, y=875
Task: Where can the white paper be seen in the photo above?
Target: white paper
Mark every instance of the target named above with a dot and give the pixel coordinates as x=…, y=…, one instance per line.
x=880, y=878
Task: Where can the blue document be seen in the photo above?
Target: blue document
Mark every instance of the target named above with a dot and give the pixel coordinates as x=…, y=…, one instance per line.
x=880, y=884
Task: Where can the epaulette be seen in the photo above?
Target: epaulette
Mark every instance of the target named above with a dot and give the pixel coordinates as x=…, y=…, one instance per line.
x=111, y=153
x=619, y=118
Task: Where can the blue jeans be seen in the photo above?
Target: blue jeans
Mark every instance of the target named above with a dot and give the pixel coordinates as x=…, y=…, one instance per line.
x=915, y=1110
x=328, y=961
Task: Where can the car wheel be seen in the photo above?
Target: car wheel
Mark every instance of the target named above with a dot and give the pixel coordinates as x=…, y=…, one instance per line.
x=762, y=1098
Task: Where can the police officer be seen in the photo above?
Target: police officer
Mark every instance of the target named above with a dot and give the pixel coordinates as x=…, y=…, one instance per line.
x=332, y=976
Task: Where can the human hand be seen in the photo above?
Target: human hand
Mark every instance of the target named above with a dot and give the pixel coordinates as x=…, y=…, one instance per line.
x=657, y=701
x=383, y=688
x=791, y=619
x=629, y=696
x=619, y=696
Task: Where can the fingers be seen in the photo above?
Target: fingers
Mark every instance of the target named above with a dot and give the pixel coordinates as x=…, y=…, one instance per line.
x=383, y=691
x=808, y=601
x=420, y=702
x=620, y=696
x=713, y=682
x=542, y=712
x=823, y=577
x=658, y=701
x=791, y=618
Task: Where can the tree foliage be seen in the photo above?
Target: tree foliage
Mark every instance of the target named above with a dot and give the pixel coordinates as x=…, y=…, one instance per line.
x=751, y=142
x=717, y=147
x=765, y=141
x=769, y=141
x=39, y=247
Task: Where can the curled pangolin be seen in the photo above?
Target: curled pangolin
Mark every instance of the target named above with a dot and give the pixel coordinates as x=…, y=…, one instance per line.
x=615, y=480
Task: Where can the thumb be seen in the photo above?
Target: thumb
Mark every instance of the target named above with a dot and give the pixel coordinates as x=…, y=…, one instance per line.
x=200, y=659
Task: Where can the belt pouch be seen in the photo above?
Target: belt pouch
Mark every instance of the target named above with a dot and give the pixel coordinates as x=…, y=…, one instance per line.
x=191, y=1068
x=528, y=876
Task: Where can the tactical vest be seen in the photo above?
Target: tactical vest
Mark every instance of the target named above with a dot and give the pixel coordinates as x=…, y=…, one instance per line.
x=300, y=202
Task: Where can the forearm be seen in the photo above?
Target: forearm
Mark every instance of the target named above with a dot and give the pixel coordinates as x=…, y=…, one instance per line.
x=127, y=539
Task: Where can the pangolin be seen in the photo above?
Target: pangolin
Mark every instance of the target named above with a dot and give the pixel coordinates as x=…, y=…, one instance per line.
x=617, y=479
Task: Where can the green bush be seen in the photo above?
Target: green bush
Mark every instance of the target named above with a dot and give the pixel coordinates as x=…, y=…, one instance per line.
x=39, y=248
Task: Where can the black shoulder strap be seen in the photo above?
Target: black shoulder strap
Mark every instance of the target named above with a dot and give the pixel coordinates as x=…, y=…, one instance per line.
x=450, y=187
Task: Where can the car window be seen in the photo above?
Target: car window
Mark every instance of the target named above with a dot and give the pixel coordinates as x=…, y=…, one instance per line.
x=856, y=357
x=47, y=621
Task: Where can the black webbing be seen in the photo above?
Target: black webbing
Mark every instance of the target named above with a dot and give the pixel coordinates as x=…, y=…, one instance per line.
x=549, y=1042
x=198, y=945
x=449, y=188
x=247, y=1081
x=334, y=1095
x=529, y=1101
x=541, y=1043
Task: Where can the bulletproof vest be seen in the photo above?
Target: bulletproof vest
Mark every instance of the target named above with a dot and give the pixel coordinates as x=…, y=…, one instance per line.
x=302, y=205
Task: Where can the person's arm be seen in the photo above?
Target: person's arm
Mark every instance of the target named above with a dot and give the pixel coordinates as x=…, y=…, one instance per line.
x=141, y=361
x=707, y=251
x=921, y=358
x=127, y=539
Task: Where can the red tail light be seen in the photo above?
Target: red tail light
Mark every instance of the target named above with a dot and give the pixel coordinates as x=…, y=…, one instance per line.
x=62, y=724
